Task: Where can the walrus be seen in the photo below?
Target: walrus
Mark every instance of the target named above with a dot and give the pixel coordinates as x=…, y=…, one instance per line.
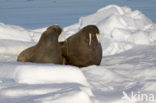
x=47, y=50
x=83, y=48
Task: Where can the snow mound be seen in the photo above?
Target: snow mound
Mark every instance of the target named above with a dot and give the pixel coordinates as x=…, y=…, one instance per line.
x=17, y=33
x=12, y=32
x=120, y=28
x=66, y=82
x=32, y=73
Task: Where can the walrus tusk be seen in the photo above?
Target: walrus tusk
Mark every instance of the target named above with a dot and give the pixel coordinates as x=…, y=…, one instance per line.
x=90, y=39
x=97, y=36
x=62, y=37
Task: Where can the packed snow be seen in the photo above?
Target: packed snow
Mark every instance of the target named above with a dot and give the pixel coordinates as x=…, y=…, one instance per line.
x=128, y=64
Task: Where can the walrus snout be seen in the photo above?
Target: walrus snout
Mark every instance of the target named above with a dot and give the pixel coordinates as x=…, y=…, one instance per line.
x=93, y=38
x=92, y=33
x=93, y=29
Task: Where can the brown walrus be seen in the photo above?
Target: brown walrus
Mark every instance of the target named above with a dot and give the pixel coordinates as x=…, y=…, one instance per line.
x=83, y=48
x=46, y=50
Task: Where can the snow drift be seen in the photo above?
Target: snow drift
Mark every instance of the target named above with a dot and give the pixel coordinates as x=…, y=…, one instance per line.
x=120, y=27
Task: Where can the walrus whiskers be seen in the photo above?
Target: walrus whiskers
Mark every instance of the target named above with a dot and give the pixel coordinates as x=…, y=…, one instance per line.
x=97, y=36
x=90, y=39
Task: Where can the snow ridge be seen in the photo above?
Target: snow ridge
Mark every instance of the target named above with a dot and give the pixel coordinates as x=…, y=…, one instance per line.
x=120, y=27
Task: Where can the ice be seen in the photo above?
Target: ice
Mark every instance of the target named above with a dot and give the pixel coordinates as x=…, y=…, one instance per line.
x=128, y=64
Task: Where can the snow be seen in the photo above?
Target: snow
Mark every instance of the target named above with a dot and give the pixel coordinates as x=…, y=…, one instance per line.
x=48, y=82
x=10, y=32
x=121, y=27
x=128, y=63
x=45, y=93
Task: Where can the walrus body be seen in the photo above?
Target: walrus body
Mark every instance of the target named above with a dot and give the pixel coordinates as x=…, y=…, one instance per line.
x=46, y=50
x=83, y=48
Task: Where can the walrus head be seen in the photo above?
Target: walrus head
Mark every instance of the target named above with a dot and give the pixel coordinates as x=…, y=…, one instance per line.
x=55, y=28
x=50, y=35
x=91, y=33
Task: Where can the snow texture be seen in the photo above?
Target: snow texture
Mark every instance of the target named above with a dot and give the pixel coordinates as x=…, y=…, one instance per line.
x=127, y=34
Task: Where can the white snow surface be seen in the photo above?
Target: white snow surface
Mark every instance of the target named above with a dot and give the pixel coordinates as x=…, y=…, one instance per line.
x=120, y=28
x=128, y=64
